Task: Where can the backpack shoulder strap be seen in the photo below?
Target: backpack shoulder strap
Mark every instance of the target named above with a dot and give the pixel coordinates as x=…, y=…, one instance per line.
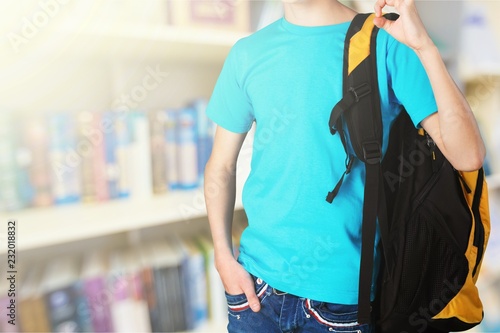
x=352, y=117
x=357, y=118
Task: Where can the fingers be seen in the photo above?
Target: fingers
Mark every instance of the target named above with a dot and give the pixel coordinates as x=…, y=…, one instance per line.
x=383, y=23
x=237, y=280
x=380, y=22
x=249, y=290
x=379, y=5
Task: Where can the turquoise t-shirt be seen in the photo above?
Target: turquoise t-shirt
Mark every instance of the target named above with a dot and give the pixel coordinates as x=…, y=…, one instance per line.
x=286, y=78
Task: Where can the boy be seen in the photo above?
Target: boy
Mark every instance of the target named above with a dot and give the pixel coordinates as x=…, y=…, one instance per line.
x=298, y=267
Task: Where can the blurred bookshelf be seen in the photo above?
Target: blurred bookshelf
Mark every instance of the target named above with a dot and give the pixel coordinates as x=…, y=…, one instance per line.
x=86, y=57
x=73, y=62
x=40, y=227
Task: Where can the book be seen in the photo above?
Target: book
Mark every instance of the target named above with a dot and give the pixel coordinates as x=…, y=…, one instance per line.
x=158, y=160
x=194, y=281
x=94, y=277
x=141, y=186
x=187, y=152
x=91, y=144
x=121, y=306
x=96, y=136
x=111, y=167
x=82, y=307
x=217, y=303
x=129, y=310
x=148, y=283
x=23, y=160
x=63, y=295
x=9, y=192
x=35, y=139
x=33, y=312
x=171, y=148
x=122, y=131
x=133, y=269
x=205, y=133
x=87, y=149
x=176, y=287
x=65, y=160
x=165, y=266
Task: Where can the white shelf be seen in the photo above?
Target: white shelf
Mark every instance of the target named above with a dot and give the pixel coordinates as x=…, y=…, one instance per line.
x=132, y=42
x=39, y=227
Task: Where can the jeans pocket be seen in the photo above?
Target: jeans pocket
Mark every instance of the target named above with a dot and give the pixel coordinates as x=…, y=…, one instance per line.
x=238, y=303
x=336, y=317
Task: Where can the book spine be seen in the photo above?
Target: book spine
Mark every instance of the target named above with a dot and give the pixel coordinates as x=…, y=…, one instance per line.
x=35, y=139
x=205, y=135
x=108, y=124
x=150, y=294
x=161, y=281
x=123, y=139
x=193, y=281
x=197, y=286
x=140, y=157
x=217, y=305
x=87, y=148
x=33, y=315
x=62, y=310
x=138, y=296
x=187, y=155
x=97, y=139
x=82, y=307
x=9, y=193
x=65, y=161
x=158, y=159
x=99, y=304
x=177, y=301
x=41, y=312
x=121, y=306
x=171, y=149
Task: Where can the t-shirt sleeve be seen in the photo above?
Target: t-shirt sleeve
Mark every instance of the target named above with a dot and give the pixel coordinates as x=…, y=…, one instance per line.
x=410, y=83
x=229, y=105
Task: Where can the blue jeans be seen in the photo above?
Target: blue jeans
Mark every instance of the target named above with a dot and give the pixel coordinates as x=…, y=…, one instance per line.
x=285, y=313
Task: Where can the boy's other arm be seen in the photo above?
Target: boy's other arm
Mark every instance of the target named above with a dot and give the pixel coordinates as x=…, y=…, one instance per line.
x=220, y=194
x=453, y=128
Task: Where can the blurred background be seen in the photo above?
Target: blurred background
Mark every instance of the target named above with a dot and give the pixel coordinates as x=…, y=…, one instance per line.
x=103, y=141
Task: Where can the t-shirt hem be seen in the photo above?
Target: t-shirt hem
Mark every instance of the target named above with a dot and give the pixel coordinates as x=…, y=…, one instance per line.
x=418, y=117
x=229, y=127
x=344, y=298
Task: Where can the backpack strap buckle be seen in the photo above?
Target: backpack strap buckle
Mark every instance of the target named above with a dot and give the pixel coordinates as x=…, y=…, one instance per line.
x=360, y=91
x=347, y=102
x=372, y=152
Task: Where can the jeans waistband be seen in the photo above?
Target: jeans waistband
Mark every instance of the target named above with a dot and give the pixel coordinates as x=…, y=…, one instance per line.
x=259, y=281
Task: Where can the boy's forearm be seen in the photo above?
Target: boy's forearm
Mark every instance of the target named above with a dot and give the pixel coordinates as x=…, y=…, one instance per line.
x=220, y=194
x=458, y=128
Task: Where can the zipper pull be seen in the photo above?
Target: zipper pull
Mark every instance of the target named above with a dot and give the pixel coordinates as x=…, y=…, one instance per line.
x=432, y=147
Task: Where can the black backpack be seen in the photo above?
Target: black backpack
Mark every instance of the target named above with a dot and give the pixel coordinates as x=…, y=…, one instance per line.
x=434, y=220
